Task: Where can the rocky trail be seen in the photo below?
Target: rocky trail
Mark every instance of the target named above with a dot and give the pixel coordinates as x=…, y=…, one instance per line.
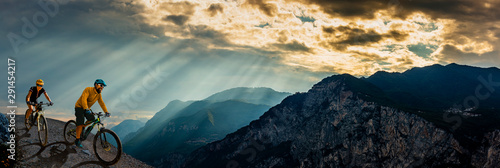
x=57, y=153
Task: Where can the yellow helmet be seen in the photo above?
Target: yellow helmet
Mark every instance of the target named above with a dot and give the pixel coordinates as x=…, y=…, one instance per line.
x=39, y=82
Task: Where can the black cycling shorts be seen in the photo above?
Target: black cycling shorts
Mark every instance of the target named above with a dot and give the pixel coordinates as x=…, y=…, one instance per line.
x=80, y=116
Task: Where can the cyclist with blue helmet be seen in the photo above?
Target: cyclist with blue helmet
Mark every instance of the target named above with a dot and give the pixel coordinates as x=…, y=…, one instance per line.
x=82, y=107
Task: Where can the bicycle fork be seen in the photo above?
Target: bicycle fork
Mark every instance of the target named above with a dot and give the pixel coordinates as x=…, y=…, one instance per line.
x=105, y=139
x=104, y=143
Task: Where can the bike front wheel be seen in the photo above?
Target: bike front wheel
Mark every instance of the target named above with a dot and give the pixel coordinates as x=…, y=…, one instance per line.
x=107, y=146
x=70, y=132
x=42, y=130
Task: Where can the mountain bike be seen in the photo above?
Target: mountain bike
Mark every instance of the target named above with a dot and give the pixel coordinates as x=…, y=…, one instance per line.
x=107, y=145
x=37, y=118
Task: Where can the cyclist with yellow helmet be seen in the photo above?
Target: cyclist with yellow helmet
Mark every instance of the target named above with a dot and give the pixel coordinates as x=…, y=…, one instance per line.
x=33, y=94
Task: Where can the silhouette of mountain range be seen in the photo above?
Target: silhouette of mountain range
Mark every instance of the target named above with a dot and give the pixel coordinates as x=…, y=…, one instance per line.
x=181, y=127
x=417, y=118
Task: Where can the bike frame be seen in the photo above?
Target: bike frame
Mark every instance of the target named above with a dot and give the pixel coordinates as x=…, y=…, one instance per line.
x=40, y=113
x=93, y=124
x=38, y=110
x=70, y=133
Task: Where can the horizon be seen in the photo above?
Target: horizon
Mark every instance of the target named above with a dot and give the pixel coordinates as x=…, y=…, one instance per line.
x=114, y=122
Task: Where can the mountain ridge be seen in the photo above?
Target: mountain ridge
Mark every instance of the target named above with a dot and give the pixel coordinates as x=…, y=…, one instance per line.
x=126, y=127
x=332, y=125
x=198, y=122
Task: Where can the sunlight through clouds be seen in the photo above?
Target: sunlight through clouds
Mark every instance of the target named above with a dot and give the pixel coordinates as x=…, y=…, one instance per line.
x=295, y=32
x=204, y=47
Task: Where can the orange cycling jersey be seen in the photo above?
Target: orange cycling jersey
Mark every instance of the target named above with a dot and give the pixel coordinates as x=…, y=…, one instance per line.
x=88, y=98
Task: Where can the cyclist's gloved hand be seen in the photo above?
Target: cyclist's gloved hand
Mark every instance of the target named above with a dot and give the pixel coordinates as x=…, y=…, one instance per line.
x=107, y=114
x=87, y=111
x=51, y=103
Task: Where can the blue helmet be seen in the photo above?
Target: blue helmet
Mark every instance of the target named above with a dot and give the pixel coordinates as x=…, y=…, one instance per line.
x=100, y=81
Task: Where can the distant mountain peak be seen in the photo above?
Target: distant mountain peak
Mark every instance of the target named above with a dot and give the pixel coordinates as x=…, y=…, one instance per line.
x=340, y=122
x=181, y=126
x=257, y=95
x=357, y=86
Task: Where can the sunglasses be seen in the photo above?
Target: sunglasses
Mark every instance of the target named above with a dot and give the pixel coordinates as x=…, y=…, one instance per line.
x=101, y=85
x=39, y=85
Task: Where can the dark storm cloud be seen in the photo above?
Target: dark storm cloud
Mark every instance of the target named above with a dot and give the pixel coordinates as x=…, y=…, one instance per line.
x=177, y=19
x=208, y=34
x=471, y=30
x=268, y=8
x=348, y=8
x=405, y=60
x=472, y=10
x=342, y=37
x=294, y=46
x=213, y=9
x=122, y=21
x=91, y=16
x=396, y=35
x=365, y=56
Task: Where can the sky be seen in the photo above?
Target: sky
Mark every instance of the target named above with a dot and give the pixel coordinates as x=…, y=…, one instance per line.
x=151, y=52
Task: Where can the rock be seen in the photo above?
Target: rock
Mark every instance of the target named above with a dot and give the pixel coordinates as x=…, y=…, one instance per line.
x=86, y=152
x=4, y=133
x=333, y=126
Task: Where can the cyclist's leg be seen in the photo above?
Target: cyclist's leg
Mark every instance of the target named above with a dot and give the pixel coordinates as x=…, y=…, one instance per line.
x=28, y=112
x=80, y=119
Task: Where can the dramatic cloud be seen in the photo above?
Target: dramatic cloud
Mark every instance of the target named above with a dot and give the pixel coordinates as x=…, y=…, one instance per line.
x=342, y=37
x=284, y=44
x=177, y=19
x=185, y=7
x=294, y=46
x=350, y=8
x=470, y=10
x=213, y=9
x=469, y=26
x=450, y=53
x=340, y=33
x=270, y=9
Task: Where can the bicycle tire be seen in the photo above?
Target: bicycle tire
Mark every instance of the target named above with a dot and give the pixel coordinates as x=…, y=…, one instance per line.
x=99, y=151
x=70, y=132
x=43, y=130
x=27, y=121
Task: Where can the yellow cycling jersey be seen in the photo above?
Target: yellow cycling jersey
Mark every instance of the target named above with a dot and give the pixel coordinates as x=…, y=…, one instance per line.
x=88, y=98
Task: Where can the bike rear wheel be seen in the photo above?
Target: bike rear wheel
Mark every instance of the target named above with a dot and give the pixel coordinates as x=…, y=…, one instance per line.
x=70, y=132
x=107, y=146
x=42, y=130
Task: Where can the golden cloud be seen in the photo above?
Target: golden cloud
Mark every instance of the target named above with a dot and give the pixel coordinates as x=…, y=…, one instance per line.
x=320, y=34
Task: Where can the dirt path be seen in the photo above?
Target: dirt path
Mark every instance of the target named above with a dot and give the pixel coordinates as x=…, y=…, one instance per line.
x=57, y=153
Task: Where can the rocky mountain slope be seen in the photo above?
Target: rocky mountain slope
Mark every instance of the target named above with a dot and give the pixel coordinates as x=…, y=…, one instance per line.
x=344, y=121
x=57, y=153
x=459, y=98
x=182, y=127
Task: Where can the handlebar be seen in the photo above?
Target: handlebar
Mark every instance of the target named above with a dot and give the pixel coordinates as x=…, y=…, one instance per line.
x=100, y=114
x=41, y=103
